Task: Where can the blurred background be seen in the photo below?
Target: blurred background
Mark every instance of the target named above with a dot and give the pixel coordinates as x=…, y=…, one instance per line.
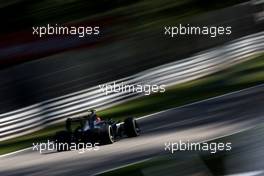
x=131, y=40
x=45, y=80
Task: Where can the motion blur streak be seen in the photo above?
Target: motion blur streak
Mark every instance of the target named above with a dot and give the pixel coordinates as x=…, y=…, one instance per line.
x=197, y=122
x=35, y=117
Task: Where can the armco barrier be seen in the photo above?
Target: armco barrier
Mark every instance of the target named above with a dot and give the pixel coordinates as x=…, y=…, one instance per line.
x=37, y=116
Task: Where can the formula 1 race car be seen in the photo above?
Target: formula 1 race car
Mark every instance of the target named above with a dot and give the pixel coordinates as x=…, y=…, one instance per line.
x=89, y=128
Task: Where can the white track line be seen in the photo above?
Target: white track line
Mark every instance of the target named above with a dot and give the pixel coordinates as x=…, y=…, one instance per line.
x=15, y=152
x=201, y=101
x=252, y=173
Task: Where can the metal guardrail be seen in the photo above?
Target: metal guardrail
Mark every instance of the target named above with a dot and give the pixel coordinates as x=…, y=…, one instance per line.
x=37, y=116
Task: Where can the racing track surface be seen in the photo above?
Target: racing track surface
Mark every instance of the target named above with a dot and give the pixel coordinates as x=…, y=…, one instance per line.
x=195, y=122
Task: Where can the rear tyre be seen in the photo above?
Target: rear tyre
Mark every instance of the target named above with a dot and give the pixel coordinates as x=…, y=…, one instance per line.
x=62, y=140
x=107, y=135
x=131, y=127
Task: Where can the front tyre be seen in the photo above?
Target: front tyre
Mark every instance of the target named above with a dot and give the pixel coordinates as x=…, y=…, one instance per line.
x=131, y=127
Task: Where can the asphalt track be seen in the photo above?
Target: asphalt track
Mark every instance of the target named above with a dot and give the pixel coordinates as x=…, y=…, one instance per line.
x=200, y=121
